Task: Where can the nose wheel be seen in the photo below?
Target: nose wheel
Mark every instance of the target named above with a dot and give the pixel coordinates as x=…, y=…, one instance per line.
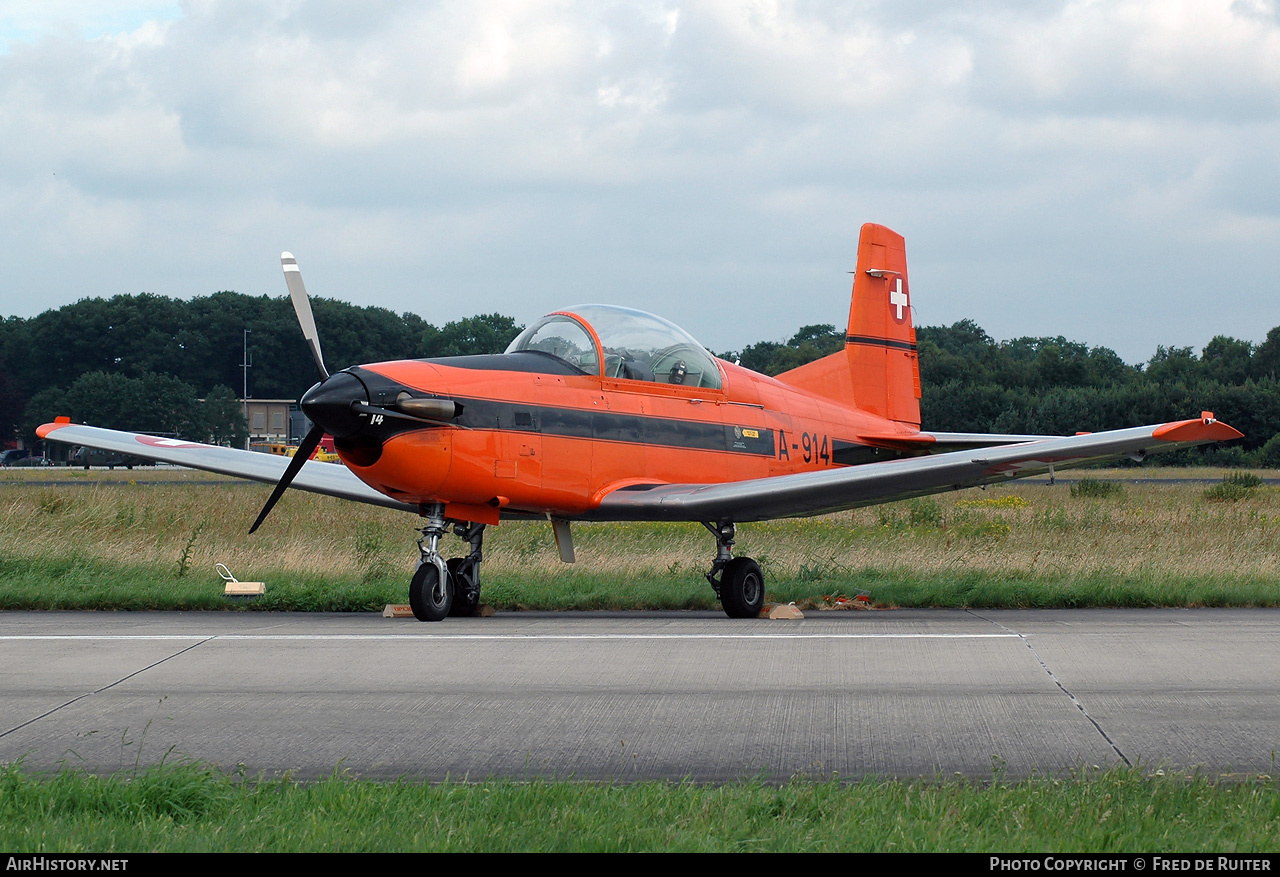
x=441, y=588
x=737, y=581
x=430, y=593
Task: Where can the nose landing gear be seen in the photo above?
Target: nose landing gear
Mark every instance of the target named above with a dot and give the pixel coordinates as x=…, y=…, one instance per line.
x=442, y=588
x=737, y=581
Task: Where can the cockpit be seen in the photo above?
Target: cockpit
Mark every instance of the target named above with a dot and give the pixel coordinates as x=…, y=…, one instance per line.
x=617, y=342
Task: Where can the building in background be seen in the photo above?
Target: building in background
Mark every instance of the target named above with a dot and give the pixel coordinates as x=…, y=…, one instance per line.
x=269, y=420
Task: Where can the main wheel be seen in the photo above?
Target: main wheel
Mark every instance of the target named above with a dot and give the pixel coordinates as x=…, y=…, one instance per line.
x=742, y=588
x=466, y=597
x=429, y=601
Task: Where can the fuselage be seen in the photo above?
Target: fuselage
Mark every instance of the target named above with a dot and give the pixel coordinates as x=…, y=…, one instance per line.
x=533, y=436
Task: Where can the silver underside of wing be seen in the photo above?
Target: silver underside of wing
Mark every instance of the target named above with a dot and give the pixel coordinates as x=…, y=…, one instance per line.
x=330, y=479
x=831, y=490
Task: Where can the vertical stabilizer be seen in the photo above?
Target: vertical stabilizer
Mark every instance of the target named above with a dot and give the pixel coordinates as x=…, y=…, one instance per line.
x=878, y=370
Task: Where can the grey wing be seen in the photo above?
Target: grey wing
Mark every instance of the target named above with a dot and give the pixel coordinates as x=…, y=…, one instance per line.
x=330, y=479
x=831, y=490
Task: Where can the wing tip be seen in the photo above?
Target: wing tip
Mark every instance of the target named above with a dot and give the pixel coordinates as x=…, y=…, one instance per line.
x=44, y=429
x=1205, y=428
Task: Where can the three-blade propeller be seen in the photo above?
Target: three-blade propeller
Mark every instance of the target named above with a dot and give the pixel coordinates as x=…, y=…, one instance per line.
x=429, y=411
x=331, y=400
x=301, y=307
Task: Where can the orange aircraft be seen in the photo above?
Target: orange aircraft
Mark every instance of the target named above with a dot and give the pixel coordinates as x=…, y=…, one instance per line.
x=602, y=413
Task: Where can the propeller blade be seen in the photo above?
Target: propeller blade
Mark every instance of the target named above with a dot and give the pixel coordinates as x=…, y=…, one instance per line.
x=300, y=456
x=302, y=307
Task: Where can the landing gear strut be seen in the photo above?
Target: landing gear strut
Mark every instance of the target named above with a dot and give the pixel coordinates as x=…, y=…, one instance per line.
x=465, y=571
x=441, y=588
x=737, y=581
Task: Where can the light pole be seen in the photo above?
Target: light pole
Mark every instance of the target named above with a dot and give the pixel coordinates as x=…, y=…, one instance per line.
x=244, y=395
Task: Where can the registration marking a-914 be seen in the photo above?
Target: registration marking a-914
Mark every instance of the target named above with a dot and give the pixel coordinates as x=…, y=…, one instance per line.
x=811, y=447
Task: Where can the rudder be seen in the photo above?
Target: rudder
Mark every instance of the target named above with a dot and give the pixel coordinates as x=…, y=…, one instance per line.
x=879, y=370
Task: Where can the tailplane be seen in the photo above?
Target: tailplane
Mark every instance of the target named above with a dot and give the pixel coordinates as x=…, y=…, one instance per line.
x=878, y=370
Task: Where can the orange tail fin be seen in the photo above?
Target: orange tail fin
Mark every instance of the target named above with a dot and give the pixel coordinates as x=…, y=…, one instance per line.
x=878, y=370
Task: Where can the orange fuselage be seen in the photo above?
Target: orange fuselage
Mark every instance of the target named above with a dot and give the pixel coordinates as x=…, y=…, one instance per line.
x=557, y=444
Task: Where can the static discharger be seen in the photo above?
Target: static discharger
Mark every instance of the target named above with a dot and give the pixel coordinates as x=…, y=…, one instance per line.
x=236, y=589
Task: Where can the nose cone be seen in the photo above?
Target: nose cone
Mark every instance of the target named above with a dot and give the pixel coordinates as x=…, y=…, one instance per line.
x=328, y=404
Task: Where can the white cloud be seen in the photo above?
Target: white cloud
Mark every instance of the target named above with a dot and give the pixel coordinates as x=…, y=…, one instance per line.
x=1048, y=162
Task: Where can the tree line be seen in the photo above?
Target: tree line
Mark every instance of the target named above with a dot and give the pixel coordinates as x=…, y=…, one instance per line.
x=141, y=362
x=1051, y=386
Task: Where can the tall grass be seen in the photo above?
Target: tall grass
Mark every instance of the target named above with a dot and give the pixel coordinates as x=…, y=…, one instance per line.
x=1017, y=544
x=1233, y=487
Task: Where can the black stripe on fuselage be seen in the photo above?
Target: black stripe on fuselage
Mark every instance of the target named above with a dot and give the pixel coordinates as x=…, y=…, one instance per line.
x=617, y=427
x=853, y=454
x=880, y=342
x=638, y=429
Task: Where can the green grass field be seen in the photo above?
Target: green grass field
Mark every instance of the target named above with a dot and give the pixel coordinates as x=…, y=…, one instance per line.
x=75, y=543
x=130, y=545
x=187, y=808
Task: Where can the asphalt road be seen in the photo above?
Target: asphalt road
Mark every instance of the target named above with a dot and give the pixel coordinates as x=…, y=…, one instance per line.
x=623, y=696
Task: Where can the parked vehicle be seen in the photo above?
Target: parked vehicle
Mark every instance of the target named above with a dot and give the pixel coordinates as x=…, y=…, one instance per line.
x=87, y=457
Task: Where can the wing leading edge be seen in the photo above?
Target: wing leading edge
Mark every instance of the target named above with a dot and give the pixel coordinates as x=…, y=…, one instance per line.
x=800, y=495
x=832, y=490
x=328, y=478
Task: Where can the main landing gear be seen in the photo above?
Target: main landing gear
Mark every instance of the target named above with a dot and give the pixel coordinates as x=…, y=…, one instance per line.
x=440, y=588
x=737, y=581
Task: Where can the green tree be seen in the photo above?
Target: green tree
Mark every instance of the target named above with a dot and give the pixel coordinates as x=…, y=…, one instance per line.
x=1226, y=360
x=1266, y=359
x=810, y=343
x=486, y=333
x=151, y=403
x=1171, y=364
x=224, y=417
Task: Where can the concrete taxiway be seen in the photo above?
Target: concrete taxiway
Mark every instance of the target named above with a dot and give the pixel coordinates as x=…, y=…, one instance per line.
x=625, y=696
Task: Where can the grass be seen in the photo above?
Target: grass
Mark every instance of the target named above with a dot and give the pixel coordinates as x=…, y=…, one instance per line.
x=189, y=808
x=1096, y=488
x=152, y=546
x=1233, y=487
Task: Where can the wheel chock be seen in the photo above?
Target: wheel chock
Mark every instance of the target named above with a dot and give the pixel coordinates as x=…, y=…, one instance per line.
x=393, y=610
x=236, y=589
x=785, y=611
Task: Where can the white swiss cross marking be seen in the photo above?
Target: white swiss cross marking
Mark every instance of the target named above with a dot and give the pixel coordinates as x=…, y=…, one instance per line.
x=164, y=442
x=897, y=298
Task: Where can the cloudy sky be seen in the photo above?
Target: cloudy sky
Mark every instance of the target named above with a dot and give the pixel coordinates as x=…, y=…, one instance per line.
x=1107, y=171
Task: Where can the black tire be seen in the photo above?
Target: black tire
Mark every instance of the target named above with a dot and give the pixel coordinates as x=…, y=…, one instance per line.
x=465, y=600
x=426, y=604
x=742, y=588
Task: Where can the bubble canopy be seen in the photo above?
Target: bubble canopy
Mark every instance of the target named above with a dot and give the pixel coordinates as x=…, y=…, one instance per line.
x=634, y=345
